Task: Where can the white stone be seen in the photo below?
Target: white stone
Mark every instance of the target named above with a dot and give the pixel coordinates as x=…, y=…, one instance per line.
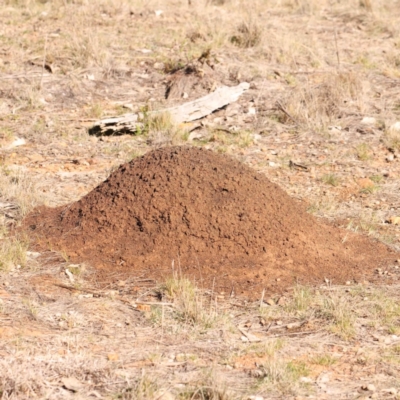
x=368, y=121
x=371, y=387
x=17, y=142
x=395, y=126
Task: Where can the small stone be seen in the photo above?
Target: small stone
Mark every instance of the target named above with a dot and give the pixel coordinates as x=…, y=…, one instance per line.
x=390, y=391
x=251, y=111
x=163, y=394
x=365, y=183
x=255, y=398
x=112, y=357
x=393, y=220
x=390, y=158
x=72, y=384
x=244, y=339
x=370, y=387
x=270, y=302
x=368, y=121
x=282, y=301
x=395, y=127
x=159, y=66
x=306, y=379
x=32, y=254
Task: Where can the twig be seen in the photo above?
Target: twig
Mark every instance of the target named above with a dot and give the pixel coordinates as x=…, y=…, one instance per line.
x=281, y=108
x=44, y=61
x=337, y=50
x=262, y=297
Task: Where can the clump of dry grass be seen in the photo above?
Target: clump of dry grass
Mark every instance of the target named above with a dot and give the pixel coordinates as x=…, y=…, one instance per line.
x=248, y=34
x=392, y=137
x=208, y=387
x=161, y=129
x=190, y=306
x=318, y=105
x=18, y=190
x=12, y=252
x=17, y=187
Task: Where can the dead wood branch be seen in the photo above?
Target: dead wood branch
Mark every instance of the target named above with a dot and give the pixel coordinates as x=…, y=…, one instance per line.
x=187, y=112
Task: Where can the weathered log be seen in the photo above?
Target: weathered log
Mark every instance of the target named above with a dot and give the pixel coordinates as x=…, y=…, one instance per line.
x=187, y=112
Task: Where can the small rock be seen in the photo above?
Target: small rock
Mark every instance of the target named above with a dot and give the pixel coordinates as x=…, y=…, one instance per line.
x=251, y=111
x=393, y=220
x=306, y=379
x=365, y=183
x=36, y=157
x=159, y=66
x=32, y=254
x=390, y=391
x=163, y=395
x=112, y=357
x=257, y=373
x=395, y=127
x=368, y=121
x=270, y=302
x=323, y=378
x=282, y=301
x=72, y=384
x=390, y=158
x=370, y=387
x=17, y=142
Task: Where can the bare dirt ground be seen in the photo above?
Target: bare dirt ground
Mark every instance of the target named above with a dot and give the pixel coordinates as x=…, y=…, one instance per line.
x=321, y=119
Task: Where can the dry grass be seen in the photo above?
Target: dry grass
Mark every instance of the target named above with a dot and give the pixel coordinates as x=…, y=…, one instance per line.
x=18, y=188
x=313, y=65
x=318, y=105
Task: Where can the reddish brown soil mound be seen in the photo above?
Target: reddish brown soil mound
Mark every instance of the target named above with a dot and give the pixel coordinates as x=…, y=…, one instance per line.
x=220, y=221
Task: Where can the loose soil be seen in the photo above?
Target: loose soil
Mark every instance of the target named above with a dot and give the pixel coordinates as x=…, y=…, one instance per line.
x=209, y=217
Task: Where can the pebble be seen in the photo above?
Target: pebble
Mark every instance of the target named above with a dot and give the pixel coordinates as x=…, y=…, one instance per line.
x=370, y=387
x=395, y=127
x=159, y=65
x=270, y=302
x=255, y=398
x=390, y=158
x=368, y=121
x=390, y=391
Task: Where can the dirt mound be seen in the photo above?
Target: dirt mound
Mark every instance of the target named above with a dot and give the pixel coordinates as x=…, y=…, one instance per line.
x=221, y=222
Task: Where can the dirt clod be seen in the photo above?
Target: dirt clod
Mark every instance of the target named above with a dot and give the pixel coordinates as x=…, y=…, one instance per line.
x=206, y=216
